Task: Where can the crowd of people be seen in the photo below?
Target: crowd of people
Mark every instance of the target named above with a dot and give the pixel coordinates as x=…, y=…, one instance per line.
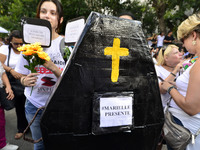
x=177, y=72
x=13, y=63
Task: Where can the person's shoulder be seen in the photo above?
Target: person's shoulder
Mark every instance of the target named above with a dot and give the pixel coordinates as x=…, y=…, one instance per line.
x=159, y=68
x=4, y=48
x=60, y=38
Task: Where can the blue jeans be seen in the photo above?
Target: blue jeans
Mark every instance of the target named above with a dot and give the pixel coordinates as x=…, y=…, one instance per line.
x=30, y=111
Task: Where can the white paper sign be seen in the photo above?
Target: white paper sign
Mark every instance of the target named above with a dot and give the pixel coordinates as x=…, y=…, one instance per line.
x=36, y=33
x=73, y=30
x=115, y=111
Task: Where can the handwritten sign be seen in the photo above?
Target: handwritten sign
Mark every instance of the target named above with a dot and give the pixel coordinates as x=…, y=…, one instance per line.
x=115, y=111
x=73, y=30
x=35, y=33
x=36, y=30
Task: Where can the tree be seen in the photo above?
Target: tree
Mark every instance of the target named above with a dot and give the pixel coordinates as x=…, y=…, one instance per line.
x=170, y=13
x=14, y=10
x=161, y=14
x=73, y=9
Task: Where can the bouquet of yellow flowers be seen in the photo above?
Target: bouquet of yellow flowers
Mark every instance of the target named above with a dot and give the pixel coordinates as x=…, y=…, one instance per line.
x=35, y=55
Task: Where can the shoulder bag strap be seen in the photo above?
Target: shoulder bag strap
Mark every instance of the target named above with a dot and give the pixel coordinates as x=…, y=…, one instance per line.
x=8, y=59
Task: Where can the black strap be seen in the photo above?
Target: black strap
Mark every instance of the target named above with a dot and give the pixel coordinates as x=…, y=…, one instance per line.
x=8, y=59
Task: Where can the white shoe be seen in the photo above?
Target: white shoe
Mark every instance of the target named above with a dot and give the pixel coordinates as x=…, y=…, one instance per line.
x=10, y=147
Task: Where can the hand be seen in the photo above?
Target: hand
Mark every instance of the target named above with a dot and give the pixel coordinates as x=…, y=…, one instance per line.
x=15, y=74
x=179, y=66
x=49, y=65
x=53, y=68
x=165, y=85
x=30, y=80
x=10, y=93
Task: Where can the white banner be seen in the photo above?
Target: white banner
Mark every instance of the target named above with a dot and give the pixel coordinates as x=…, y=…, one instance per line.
x=116, y=111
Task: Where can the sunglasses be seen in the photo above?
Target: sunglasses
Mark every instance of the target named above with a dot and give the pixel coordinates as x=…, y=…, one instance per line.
x=16, y=44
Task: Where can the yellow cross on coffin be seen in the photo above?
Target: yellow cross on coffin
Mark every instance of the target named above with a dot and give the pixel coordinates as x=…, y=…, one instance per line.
x=116, y=52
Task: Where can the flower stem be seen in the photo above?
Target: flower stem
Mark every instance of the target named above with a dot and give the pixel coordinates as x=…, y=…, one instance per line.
x=31, y=90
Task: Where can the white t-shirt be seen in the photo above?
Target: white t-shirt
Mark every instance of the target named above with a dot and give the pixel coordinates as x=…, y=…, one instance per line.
x=160, y=40
x=182, y=85
x=1, y=73
x=46, y=80
x=163, y=73
x=13, y=56
x=190, y=122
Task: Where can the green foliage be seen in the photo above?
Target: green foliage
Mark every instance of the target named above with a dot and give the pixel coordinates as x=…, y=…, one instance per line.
x=73, y=9
x=66, y=52
x=33, y=61
x=14, y=10
x=151, y=13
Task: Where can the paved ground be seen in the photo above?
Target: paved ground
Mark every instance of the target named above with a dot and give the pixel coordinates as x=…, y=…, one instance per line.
x=11, y=129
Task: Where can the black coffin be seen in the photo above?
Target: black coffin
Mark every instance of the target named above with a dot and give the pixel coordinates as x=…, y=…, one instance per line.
x=71, y=118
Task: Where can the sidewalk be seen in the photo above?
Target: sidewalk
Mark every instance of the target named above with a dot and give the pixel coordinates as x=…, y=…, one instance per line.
x=11, y=130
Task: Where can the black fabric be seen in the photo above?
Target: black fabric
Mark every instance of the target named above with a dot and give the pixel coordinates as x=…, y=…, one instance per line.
x=19, y=99
x=169, y=38
x=20, y=112
x=68, y=117
x=16, y=85
x=4, y=102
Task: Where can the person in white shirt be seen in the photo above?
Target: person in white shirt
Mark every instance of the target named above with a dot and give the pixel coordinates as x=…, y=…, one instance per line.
x=185, y=104
x=168, y=68
x=9, y=56
x=160, y=40
x=43, y=82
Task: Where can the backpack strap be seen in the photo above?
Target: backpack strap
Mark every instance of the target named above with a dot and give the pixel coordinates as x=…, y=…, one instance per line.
x=62, y=46
x=65, y=50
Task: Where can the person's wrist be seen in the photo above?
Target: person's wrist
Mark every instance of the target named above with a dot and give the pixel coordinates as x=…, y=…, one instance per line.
x=173, y=74
x=170, y=88
x=10, y=69
x=23, y=81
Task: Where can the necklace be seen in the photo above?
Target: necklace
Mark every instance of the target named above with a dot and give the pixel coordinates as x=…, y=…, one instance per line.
x=192, y=60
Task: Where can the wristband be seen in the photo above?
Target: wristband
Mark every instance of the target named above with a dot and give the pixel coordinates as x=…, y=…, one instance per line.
x=22, y=81
x=173, y=74
x=170, y=88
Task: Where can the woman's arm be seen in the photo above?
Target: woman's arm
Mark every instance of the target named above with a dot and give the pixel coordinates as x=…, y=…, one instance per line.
x=8, y=86
x=191, y=103
x=9, y=69
x=171, y=76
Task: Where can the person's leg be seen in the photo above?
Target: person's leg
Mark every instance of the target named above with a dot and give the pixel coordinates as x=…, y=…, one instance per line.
x=35, y=127
x=2, y=128
x=20, y=113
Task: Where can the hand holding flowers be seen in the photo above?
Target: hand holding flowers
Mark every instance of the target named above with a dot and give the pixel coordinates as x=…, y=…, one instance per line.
x=34, y=55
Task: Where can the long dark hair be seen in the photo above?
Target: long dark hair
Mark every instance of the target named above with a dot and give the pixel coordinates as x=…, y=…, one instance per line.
x=59, y=10
x=14, y=34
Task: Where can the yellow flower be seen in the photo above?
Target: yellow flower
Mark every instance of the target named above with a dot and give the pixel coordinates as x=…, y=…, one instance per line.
x=35, y=53
x=23, y=48
x=36, y=47
x=28, y=52
x=43, y=55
